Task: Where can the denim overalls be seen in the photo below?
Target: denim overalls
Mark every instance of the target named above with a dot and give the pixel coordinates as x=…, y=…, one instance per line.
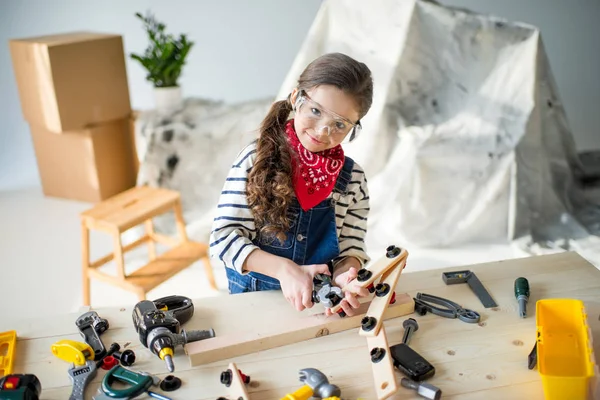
x=312, y=239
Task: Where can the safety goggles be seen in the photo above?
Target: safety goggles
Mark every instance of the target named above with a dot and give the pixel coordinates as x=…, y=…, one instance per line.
x=339, y=128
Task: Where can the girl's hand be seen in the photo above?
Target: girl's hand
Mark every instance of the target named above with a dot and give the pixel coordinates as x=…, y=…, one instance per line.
x=350, y=301
x=297, y=283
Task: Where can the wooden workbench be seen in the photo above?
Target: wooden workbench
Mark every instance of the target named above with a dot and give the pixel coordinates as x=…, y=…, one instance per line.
x=473, y=361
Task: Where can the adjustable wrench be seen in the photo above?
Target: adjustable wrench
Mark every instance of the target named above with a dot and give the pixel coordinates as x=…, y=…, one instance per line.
x=81, y=376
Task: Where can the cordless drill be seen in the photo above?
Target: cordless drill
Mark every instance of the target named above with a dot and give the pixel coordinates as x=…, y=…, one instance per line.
x=158, y=324
x=20, y=387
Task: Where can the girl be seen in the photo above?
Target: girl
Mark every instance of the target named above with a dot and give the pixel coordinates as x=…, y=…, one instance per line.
x=292, y=202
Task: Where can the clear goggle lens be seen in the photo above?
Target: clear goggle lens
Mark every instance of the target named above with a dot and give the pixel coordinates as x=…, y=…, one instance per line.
x=337, y=127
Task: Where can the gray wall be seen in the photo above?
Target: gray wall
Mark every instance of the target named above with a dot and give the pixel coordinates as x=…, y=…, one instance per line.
x=244, y=49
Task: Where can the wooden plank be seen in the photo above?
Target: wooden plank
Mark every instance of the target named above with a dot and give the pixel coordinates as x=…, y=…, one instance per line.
x=131, y=207
x=379, y=304
x=226, y=346
x=383, y=370
x=167, y=264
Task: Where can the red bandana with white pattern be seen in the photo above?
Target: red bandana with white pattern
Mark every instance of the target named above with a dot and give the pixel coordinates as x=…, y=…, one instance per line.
x=315, y=174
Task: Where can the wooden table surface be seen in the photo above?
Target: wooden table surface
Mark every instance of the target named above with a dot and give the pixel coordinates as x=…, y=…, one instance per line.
x=473, y=361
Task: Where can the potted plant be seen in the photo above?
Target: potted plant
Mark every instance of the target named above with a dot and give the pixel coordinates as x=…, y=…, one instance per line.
x=163, y=60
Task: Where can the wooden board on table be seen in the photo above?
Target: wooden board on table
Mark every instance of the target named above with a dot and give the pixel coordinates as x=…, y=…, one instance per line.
x=281, y=334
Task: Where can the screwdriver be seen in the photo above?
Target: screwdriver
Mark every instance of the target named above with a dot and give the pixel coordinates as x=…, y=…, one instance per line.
x=522, y=295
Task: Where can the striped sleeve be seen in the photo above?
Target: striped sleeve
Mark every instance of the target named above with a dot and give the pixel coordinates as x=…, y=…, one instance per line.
x=233, y=227
x=354, y=227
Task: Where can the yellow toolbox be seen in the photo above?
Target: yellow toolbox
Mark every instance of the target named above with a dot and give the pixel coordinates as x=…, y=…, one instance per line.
x=565, y=355
x=8, y=343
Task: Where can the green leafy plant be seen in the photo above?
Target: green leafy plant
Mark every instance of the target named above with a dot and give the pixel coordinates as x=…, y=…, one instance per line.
x=165, y=55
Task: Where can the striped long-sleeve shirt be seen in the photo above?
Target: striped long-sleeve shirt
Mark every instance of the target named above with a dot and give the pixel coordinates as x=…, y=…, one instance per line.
x=234, y=232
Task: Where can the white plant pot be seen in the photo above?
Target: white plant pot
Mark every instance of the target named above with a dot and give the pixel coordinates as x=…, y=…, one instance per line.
x=168, y=99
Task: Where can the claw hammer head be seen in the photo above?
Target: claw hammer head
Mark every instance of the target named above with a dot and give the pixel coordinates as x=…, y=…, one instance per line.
x=319, y=383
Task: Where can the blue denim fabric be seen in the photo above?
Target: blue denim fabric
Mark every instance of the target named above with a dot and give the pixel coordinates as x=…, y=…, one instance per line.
x=312, y=239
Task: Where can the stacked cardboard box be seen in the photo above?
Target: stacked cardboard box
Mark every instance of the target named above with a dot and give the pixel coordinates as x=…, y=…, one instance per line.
x=74, y=95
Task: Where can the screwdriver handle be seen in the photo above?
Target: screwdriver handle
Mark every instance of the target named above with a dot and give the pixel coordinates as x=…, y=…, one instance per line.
x=521, y=287
x=522, y=295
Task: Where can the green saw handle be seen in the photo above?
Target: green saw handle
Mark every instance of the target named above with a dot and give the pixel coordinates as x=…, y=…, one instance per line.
x=140, y=383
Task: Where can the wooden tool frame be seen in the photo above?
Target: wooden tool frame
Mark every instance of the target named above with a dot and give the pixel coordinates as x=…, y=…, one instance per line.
x=389, y=269
x=237, y=388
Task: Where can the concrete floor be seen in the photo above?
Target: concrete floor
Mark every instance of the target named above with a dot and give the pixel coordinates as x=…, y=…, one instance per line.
x=41, y=259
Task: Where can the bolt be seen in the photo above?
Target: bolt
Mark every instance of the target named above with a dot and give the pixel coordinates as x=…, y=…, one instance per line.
x=382, y=289
x=410, y=326
x=226, y=377
x=127, y=357
x=377, y=354
x=392, y=251
x=368, y=323
x=363, y=275
x=393, y=298
x=425, y=390
x=341, y=313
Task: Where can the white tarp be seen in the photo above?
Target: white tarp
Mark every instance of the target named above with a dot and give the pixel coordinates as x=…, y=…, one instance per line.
x=467, y=140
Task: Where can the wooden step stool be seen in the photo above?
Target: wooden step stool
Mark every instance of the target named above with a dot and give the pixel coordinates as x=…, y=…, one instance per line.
x=124, y=211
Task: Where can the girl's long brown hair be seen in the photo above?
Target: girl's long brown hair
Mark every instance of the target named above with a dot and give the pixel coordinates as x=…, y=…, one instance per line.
x=270, y=190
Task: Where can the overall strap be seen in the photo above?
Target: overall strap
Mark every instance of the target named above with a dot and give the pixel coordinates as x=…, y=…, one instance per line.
x=341, y=185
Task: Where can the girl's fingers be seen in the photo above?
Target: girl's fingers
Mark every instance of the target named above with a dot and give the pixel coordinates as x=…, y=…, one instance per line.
x=307, y=299
x=347, y=308
x=352, y=300
x=298, y=303
x=357, y=290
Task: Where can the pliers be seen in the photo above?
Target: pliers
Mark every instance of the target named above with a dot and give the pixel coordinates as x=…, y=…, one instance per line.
x=425, y=303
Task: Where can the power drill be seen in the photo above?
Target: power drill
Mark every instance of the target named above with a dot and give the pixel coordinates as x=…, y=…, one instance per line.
x=20, y=387
x=158, y=324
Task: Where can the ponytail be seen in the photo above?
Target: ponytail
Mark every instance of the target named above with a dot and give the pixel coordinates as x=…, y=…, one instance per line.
x=270, y=190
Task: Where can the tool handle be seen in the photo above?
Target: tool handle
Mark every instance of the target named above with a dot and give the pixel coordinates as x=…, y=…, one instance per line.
x=455, y=277
x=140, y=382
x=181, y=307
x=425, y=303
x=81, y=376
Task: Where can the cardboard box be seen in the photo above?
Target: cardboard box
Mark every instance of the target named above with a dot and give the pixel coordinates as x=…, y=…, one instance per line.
x=71, y=81
x=88, y=165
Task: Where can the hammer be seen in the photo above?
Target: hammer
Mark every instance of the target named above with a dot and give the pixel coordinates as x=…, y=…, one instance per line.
x=316, y=385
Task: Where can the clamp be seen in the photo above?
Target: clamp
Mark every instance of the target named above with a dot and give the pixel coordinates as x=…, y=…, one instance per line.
x=91, y=326
x=74, y=352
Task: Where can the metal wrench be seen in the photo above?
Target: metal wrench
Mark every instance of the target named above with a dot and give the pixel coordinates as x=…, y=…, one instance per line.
x=81, y=376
